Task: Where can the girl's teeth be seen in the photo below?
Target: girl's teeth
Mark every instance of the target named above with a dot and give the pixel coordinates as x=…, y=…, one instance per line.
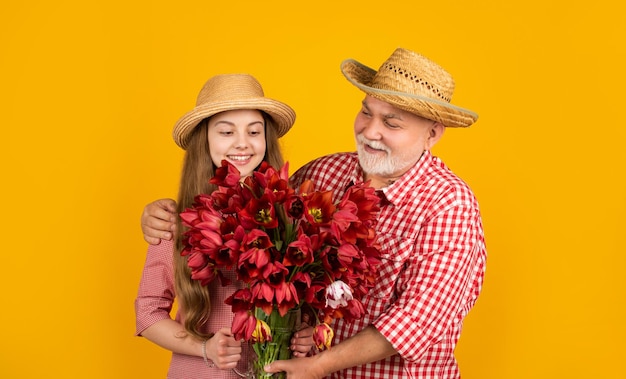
x=239, y=158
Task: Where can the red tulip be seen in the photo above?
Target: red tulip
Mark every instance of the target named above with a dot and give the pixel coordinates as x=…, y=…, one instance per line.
x=354, y=310
x=189, y=217
x=205, y=274
x=366, y=200
x=240, y=300
x=306, y=188
x=272, y=181
x=319, y=207
x=323, y=336
x=346, y=253
x=256, y=255
x=259, y=212
x=244, y=324
x=211, y=240
x=294, y=205
x=263, y=296
x=226, y=175
x=227, y=200
x=286, y=297
x=299, y=252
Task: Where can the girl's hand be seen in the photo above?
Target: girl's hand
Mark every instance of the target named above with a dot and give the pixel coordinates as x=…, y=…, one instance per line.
x=223, y=349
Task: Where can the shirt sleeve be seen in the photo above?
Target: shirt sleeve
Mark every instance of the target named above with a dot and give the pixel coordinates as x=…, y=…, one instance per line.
x=440, y=283
x=156, y=294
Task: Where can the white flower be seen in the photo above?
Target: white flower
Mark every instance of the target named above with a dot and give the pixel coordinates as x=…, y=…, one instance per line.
x=338, y=294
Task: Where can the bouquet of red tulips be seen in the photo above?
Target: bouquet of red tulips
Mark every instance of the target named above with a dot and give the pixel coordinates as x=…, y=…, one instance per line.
x=295, y=249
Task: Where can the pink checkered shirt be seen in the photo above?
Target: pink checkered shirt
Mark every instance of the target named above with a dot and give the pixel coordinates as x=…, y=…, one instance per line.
x=154, y=302
x=432, y=268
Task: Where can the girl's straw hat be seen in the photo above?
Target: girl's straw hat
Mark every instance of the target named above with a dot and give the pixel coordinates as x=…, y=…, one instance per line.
x=229, y=92
x=413, y=83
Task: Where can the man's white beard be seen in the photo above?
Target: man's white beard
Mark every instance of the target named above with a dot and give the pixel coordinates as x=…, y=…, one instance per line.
x=387, y=165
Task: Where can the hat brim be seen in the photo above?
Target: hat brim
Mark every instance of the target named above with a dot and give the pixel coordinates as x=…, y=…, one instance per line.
x=283, y=115
x=437, y=110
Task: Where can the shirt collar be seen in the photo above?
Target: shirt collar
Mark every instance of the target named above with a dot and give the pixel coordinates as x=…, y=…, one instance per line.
x=396, y=191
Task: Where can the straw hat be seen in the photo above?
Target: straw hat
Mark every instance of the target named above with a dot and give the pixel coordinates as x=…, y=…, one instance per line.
x=229, y=92
x=413, y=83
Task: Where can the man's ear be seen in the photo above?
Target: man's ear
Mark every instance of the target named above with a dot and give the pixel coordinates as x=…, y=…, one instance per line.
x=434, y=134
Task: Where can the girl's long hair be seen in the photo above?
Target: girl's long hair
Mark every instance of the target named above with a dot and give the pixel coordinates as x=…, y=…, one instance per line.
x=193, y=298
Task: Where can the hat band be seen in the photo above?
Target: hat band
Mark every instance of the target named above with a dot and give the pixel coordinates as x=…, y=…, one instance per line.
x=413, y=96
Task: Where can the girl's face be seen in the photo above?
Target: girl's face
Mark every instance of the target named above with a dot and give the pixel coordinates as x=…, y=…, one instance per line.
x=237, y=136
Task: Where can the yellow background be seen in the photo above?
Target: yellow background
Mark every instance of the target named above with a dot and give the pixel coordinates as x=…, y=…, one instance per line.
x=89, y=92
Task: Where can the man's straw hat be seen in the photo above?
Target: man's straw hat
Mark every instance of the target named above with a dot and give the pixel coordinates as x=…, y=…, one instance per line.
x=229, y=92
x=411, y=82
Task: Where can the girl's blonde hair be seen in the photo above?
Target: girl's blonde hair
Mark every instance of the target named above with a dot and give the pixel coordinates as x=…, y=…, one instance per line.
x=193, y=298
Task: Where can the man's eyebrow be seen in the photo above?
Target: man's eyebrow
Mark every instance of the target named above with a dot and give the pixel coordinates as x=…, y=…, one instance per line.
x=394, y=116
x=390, y=115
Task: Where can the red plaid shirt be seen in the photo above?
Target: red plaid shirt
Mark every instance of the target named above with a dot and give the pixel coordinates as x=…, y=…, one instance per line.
x=432, y=268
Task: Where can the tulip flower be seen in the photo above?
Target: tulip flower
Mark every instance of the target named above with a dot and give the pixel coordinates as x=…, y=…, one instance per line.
x=299, y=252
x=338, y=294
x=226, y=175
x=259, y=212
x=244, y=324
x=323, y=336
x=294, y=206
x=262, y=332
x=320, y=208
x=240, y=300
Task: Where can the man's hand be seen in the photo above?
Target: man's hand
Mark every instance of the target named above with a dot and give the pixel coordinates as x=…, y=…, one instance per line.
x=301, y=368
x=302, y=341
x=158, y=221
x=366, y=346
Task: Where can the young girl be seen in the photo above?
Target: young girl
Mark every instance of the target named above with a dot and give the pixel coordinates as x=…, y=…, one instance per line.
x=232, y=121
